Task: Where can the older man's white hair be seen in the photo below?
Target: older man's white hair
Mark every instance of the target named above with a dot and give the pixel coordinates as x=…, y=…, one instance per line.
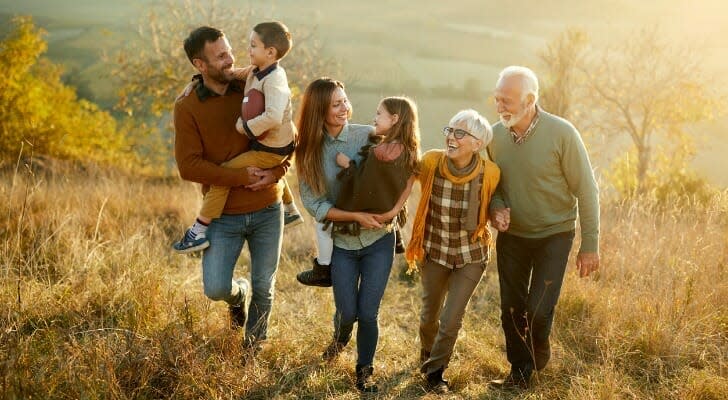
x=529, y=81
x=476, y=124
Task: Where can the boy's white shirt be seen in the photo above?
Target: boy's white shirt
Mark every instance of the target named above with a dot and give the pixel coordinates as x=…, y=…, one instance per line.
x=278, y=115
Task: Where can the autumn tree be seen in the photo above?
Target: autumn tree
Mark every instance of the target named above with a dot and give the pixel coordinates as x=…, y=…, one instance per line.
x=650, y=90
x=560, y=81
x=644, y=89
x=37, y=109
x=153, y=68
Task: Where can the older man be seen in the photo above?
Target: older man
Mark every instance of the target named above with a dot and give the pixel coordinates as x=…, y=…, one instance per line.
x=545, y=178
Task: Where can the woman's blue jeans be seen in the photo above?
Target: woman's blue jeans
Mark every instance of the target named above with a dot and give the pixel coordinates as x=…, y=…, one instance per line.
x=359, y=278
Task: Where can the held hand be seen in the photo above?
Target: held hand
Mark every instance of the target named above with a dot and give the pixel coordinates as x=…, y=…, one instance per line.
x=500, y=218
x=188, y=89
x=342, y=160
x=384, y=218
x=367, y=220
x=587, y=263
x=263, y=178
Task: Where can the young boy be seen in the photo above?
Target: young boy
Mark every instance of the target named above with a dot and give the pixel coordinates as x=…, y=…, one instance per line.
x=271, y=131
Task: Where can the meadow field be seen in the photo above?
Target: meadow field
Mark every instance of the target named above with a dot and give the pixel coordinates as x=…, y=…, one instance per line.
x=93, y=304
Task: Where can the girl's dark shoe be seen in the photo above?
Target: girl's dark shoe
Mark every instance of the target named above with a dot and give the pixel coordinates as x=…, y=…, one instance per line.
x=319, y=275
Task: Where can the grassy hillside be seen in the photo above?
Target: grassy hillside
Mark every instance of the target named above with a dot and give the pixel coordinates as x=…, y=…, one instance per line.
x=94, y=305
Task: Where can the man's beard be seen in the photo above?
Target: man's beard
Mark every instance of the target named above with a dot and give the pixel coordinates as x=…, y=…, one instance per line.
x=223, y=75
x=515, y=119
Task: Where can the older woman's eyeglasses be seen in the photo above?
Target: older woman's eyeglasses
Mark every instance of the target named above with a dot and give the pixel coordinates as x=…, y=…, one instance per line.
x=458, y=133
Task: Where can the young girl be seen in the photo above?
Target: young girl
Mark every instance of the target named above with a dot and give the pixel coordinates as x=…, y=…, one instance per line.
x=379, y=184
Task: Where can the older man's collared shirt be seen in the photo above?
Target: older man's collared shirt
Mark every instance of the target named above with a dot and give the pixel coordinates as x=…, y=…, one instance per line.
x=349, y=142
x=532, y=127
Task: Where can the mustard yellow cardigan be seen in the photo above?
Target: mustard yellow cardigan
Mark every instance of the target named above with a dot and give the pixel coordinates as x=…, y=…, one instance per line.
x=431, y=162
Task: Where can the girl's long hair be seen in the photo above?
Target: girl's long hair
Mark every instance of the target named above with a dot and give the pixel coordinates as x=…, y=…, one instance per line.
x=310, y=123
x=406, y=130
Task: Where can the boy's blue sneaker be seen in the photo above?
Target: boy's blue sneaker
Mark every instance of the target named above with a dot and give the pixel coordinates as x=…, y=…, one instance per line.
x=191, y=243
x=291, y=219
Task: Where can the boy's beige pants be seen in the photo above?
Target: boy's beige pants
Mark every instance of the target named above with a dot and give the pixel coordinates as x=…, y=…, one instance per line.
x=214, y=200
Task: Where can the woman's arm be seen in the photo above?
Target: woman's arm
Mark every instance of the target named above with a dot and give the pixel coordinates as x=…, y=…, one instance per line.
x=366, y=220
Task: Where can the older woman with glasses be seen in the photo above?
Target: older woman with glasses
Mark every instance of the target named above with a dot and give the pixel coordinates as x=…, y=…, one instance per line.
x=450, y=236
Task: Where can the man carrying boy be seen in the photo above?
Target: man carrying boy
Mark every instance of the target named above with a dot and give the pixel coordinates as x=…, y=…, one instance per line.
x=205, y=137
x=266, y=118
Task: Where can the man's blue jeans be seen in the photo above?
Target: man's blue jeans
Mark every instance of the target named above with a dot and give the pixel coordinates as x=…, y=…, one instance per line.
x=262, y=230
x=359, y=278
x=530, y=273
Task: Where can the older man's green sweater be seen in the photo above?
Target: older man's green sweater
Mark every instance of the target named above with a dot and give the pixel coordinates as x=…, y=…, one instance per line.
x=543, y=180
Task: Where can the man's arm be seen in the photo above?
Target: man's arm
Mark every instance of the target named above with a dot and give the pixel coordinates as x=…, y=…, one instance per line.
x=188, y=152
x=267, y=177
x=580, y=178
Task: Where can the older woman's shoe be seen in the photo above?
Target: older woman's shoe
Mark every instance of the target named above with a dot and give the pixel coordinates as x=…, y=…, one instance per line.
x=435, y=382
x=319, y=275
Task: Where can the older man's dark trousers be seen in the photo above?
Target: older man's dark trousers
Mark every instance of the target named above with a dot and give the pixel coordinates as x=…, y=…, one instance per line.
x=530, y=272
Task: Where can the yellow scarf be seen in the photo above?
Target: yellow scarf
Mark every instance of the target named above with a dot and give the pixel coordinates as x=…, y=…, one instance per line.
x=437, y=160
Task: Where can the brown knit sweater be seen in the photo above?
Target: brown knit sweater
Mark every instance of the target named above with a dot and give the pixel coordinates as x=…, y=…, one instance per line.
x=205, y=137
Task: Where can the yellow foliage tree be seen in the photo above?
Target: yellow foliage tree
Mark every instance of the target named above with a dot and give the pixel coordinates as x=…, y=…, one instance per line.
x=37, y=109
x=650, y=90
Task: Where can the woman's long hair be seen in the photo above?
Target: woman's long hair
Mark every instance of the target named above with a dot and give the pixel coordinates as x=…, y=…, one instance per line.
x=406, y=130
x=315, y=105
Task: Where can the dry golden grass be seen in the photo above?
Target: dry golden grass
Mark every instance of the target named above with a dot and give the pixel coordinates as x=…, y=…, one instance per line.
x=94, y=305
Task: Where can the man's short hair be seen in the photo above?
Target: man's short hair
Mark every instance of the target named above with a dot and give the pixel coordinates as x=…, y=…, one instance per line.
x=529, y=81
x=275, y=34
x=195, y=42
